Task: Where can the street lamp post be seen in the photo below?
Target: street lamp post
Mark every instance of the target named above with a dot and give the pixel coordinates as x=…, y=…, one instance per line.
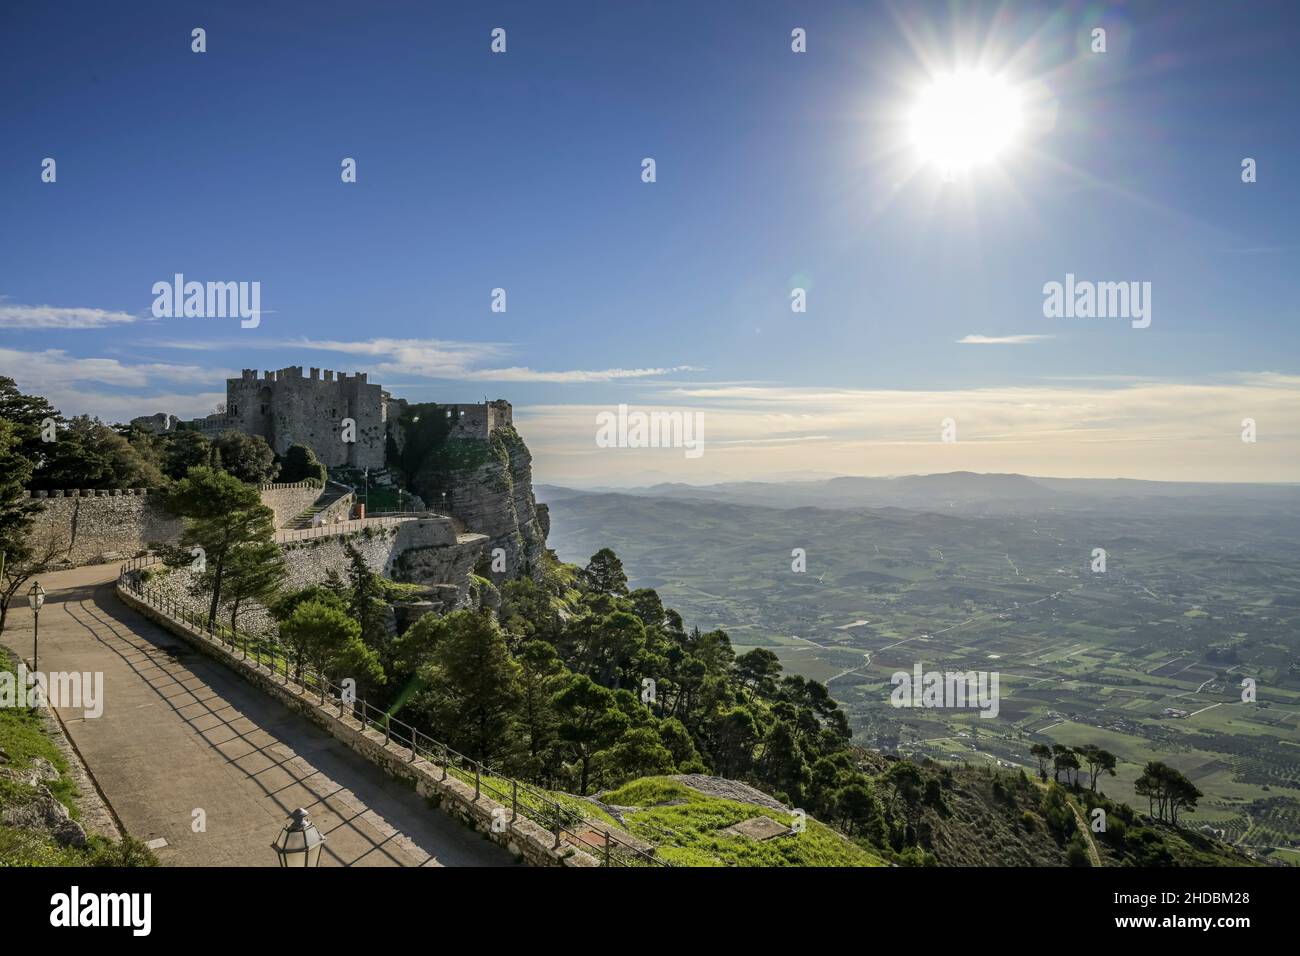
x=35, y=599
x=299, y=843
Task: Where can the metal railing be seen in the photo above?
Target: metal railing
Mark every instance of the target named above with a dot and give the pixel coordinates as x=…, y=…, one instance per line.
x=339, y=527
x=521, y=798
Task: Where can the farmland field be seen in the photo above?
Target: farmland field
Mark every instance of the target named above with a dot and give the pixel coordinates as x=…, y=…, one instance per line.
x=1146, y=659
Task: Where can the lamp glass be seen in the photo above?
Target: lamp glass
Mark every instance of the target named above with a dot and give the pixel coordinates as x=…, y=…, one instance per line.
x=299, y=843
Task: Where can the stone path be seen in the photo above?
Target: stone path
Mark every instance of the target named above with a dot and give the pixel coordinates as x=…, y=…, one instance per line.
x=180, y=733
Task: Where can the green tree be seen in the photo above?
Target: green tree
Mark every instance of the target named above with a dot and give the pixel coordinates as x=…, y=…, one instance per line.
x=758, y=671
x=86, y=453
x=1043, y=754
x=637, y=753
x=27, y=413
x=679, y=743
x=1167, y=791
x=220, y=513
x=248, y=457
x=604, y=574
x=1062, y=759
x=647, y=605
x=328, y=640
x=20, y=557
x=1098, y=761
x=734, y=732
x=589, y=721
x=539, y=673
x=472, y=685
x=183, y=450
x=858, y=810
x=301, y=464
x=613, y=644
x=254, y=571
x=287, y=602
x=368, y=605
x=907, y=789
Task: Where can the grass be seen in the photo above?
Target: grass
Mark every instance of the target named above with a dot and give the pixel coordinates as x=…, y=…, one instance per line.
x=23, y=738
x=686, y=825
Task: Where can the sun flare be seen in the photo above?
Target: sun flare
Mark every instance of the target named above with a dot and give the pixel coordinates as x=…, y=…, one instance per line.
x=965, y=119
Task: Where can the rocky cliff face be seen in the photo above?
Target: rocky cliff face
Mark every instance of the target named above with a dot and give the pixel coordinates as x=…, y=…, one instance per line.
x=487, y=484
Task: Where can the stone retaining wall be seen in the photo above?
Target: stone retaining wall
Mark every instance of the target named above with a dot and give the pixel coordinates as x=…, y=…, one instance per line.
x=424, y=550
x=289, y=500
x=96, y=525
x=92, y=526
x=524, y=838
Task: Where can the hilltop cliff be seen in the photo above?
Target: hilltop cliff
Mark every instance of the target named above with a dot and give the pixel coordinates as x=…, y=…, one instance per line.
x=479, y=473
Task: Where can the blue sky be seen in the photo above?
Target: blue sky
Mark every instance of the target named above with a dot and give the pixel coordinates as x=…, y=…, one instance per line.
x=775, y=170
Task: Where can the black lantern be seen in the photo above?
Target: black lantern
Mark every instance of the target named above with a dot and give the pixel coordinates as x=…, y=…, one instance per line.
x=300, y=842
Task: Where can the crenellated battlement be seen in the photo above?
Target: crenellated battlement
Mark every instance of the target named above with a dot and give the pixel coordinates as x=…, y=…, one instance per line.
x=295, y=373
x=340, y=416
x=91, y=492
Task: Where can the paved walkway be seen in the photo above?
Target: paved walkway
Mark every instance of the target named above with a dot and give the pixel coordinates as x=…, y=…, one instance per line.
x=179, y=732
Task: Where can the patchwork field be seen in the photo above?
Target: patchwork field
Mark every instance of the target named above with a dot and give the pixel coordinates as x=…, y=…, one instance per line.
x=1146, y=659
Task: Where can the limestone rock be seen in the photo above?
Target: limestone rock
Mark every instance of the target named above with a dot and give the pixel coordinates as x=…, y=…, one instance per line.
x=44, y=812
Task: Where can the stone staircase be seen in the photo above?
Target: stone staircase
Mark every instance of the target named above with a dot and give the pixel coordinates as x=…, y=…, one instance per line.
x=307, y=517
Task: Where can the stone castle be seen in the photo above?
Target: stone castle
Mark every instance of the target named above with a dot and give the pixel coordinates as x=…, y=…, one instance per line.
x=287, y=407
x=467, y=471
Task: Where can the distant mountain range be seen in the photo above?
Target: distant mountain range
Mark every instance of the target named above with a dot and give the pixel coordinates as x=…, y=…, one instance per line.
x=970, y=492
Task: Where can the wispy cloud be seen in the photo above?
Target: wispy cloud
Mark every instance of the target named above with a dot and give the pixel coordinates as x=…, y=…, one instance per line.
x=404, y=359
x=111, y=389
x=1001, y=339
x=1154, y=429
x=54, y=317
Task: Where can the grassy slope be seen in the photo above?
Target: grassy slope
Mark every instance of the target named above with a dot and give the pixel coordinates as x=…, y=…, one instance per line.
x=686, y=824
x=986, y=817
x=23, y=738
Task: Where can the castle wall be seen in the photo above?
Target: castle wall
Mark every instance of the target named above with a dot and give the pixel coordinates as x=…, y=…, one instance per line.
x=288, y=407
x=91, y=527
x=98, y=525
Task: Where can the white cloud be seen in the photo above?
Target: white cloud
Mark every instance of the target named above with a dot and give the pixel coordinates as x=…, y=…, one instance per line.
x=67, y=381
x=1156, y=430
x=518, y=374
x=399, y=359
x=1001, y=339
x=52, y=317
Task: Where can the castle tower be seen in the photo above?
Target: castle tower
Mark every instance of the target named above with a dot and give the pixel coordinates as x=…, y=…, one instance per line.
x=289, y=408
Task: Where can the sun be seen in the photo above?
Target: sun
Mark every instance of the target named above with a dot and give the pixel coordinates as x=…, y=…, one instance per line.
x=967, y=119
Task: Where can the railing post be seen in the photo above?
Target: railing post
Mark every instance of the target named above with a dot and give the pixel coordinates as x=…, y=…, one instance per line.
x=477, y=767
x=413, y=733
x=388, y=729
x=607, y=848
x=514, y=800
x=446, y=758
